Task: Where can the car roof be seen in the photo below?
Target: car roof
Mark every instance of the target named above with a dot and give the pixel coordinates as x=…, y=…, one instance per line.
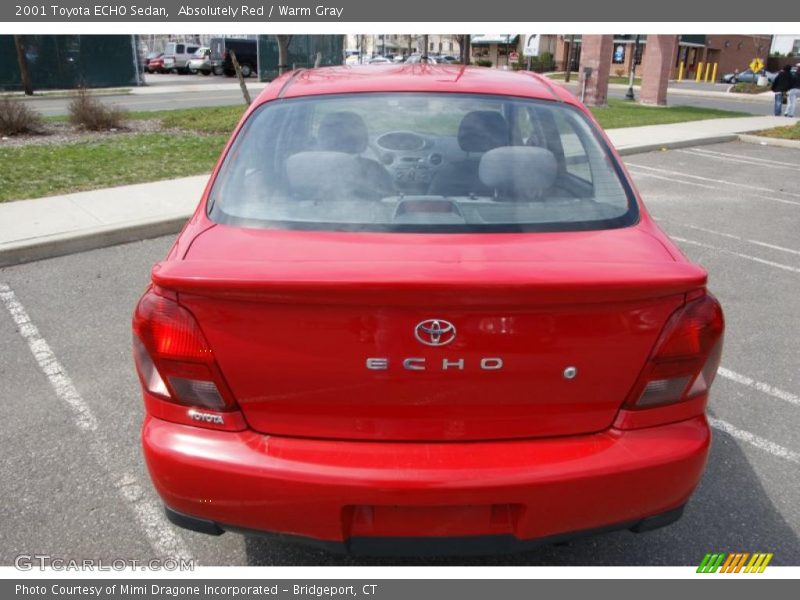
x=404, y=77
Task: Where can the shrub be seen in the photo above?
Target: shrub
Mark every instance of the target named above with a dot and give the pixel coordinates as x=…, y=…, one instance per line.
x=483, y=62
x=88, y=112
x=16, y=117
x=748, y=88
x=619, y=72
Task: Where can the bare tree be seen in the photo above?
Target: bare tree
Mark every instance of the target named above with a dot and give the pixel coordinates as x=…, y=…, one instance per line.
x=424, y=57
x=463, y=47
x=283, y=52
x=238, y=69
x=22, y=60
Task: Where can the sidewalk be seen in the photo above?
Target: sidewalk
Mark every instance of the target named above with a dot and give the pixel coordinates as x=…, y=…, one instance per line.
x=57, y=225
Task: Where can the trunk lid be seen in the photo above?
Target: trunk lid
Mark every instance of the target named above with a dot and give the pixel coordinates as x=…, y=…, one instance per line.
x=331, y=335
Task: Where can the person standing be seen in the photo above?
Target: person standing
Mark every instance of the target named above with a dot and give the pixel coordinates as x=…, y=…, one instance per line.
x=780, y=85
x=794, y=92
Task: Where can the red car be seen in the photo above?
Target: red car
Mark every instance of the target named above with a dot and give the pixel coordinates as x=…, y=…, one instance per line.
x=155, y=64
x=421, y=309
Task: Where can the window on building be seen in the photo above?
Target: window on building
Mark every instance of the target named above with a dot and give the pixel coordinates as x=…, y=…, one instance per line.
x=619, y=54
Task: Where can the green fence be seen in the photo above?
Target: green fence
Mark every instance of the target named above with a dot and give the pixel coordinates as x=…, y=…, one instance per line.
x=303, y=51
x=68, y=61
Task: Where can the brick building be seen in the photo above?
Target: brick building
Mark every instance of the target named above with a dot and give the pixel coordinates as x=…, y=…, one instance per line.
x=730, y=52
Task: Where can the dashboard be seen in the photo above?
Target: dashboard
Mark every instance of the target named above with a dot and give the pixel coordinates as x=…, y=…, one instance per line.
x=410, y=158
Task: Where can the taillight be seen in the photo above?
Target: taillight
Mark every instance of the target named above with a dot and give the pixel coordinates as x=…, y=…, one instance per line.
x=686, y=357
x=175, y=364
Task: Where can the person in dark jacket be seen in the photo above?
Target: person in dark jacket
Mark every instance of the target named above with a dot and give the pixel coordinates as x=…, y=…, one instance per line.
x=781, y=85
x=791, y=103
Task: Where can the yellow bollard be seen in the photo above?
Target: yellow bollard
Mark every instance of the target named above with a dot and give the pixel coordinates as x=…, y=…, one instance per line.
x=714, y=73
x=708, y=71
x=699, y=75
x=680, y=72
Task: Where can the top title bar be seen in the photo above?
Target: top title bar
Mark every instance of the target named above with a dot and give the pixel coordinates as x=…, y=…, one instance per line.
x=360, y=11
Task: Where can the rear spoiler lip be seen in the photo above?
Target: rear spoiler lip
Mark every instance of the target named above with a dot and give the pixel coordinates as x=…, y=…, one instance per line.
x=418, y=283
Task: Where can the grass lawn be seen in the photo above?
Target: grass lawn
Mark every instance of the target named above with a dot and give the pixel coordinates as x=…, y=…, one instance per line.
x=790, y=132
x=217, y=119
x=214, y=119
x=34, y=171
x=137, y=158
x=612, y=79
x=621, y=113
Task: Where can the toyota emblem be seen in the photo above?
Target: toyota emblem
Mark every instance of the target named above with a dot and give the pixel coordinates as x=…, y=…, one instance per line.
x=435, y=332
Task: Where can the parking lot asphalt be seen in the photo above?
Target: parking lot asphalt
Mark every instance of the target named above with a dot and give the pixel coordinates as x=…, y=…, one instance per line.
x=74, y=483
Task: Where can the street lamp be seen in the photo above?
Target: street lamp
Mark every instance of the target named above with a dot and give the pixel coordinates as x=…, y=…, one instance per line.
x=629, y=95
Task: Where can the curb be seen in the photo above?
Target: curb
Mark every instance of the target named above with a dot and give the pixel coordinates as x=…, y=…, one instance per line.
x=768, y=141
x=89, y=239
x=717, y=139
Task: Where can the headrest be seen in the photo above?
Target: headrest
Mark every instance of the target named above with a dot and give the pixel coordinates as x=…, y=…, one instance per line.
x=323, y=175
x=343, y=131
x=482, y=130
x=521, y=172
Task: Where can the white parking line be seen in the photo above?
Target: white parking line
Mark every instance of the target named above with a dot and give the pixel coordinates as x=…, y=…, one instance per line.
x=755, y=440
x=774, y=247
x=671, y=179
x=759, y=386
x=636, y=173
x=749, y=159
x=720, y=181
x=731, y=236
x=47, y=361
x=740, y=160
x=739, y=254
x=163, y=538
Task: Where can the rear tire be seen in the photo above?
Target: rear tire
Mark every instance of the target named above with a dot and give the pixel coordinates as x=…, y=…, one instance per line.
x=247, y=70
x=206, y=73
x=219, y=71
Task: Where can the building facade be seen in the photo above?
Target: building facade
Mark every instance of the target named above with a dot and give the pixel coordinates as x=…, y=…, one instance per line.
x=694, y=52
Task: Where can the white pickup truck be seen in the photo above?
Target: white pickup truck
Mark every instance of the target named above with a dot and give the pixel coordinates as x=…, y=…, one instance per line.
x=177, y=56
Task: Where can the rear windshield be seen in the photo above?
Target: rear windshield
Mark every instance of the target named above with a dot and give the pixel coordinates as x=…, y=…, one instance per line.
x=421, y=163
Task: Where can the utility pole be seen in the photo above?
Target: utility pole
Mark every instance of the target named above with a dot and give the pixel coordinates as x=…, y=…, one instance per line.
x=630, y=95
x=569, y=58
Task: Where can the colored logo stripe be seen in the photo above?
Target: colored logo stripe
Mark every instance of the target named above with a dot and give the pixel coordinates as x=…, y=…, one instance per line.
x=711, y=563
x=733, y=563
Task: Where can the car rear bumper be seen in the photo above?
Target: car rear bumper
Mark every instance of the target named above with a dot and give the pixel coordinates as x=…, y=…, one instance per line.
x=425, y=498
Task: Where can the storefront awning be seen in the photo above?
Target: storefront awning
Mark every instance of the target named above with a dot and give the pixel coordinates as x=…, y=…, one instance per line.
x=493, y=38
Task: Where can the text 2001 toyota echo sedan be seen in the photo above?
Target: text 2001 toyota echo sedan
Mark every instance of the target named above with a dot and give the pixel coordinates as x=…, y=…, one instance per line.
x=422, y=308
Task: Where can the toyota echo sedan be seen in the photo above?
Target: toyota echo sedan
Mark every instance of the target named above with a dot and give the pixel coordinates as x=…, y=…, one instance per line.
x=421, y=309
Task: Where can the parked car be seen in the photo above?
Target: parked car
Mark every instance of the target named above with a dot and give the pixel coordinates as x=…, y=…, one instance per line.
x=156, y=65
x=379, y=60
x=246, y=54
x=153, y=67
x=454, y=330
x=200, y=62
x=177, y=56
x=417, y=58
x=447, y=59
x=747, y=76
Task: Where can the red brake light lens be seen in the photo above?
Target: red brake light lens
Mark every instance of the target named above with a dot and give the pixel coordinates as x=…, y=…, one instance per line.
x=175, y=362
x=169, y=330
x=686, y=357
